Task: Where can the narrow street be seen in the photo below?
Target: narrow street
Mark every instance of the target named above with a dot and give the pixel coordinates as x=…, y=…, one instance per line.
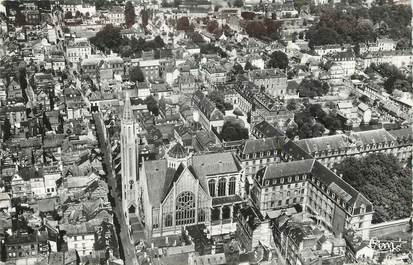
x=128, y=249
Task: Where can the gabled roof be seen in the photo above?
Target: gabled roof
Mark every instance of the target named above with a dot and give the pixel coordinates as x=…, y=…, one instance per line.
x=158, y=175
x=215, y=164
x=267, y=129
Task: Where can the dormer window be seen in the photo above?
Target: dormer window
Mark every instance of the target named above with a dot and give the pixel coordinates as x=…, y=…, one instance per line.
x=297, y=178
x=267, y=183
x=289, y=179
x=282, y=180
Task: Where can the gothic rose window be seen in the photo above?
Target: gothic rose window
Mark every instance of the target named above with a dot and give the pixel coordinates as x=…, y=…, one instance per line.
x=185, y=208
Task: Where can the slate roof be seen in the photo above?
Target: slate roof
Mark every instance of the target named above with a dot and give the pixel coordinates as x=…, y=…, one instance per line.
x=267, y=129
x=404, y=133
x=263, y=145
x=157, y=176
x=292, y=168
x=177, y=151
x=324, y=143
x=215, y=163
x=160, y=178
x=206, y=106
x=332, y=181
x=373, y=136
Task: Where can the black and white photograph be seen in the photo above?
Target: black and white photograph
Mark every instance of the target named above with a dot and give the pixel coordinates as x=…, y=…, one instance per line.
x=206, y=132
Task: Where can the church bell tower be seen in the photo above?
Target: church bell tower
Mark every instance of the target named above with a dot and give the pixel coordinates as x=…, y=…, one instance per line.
x=129, y=159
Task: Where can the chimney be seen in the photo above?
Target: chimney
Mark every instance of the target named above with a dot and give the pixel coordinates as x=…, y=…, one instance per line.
x=213, y=250
x=341, y=175
x=166, y=241
x=152, y=245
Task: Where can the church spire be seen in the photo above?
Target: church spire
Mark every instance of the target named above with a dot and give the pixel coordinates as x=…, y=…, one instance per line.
x=127, y=109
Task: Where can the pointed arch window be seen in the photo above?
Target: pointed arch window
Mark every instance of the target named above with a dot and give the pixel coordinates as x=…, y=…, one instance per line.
x=211, y=186
x=226, y=212
x=185, y=208
x=201, y=215
x=222, y=185
x=232, y=182
x=168, y=220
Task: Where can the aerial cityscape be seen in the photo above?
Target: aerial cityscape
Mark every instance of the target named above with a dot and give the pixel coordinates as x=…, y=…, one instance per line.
x=206, y=132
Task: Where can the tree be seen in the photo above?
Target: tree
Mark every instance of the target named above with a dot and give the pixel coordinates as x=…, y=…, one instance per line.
x=102, y=4
x=20, y=18
x=248, y=66
x=152, y=105
x=292, y=104
x=278, y=60
x=322, y=36
x=383, y=181
x=177, y=3
x=6, y=130
x=248, y=15
x=136, y=74
x=145, y=17
x=46, y=122
x=238, y=3
x=217, y=97
x=130, y=15
x=298, y=4
x=108, y=38
x=312, y=88
x=158, y=41
x=212, y=26
x=237, y=69
x=233, y=131
x=182, y=24
x=68, y=15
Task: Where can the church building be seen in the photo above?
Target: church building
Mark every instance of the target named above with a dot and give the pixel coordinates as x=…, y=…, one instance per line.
x=183, y=190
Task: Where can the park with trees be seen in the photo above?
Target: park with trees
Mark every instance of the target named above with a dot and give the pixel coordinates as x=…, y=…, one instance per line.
x=234, y=130
x=312, y=88
x=360, y=25
x=313, y=121
x=382, y=179
x=394, y=78
x=109, y=39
